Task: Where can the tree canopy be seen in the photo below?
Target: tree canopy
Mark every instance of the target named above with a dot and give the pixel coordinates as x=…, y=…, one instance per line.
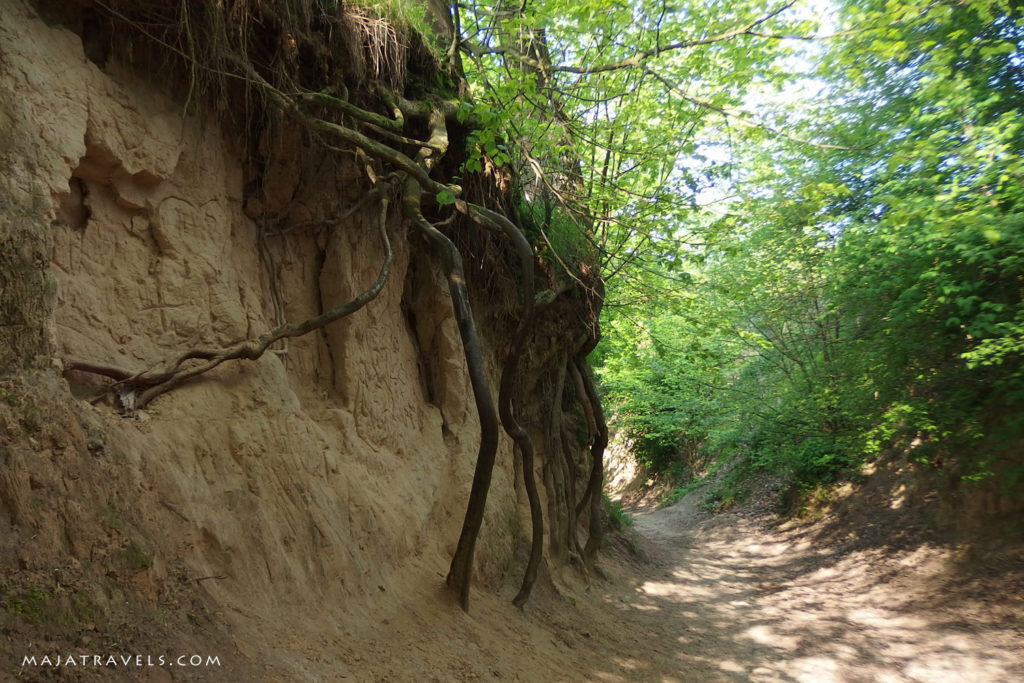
x=851, y=275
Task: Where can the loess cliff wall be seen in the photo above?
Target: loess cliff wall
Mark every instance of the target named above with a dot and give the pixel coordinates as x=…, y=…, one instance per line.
x=329, y=477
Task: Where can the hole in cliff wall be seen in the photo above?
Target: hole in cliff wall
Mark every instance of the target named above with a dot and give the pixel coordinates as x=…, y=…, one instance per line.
x=72, y=209
x=92, y=26
x=97, y=33
x=98, y=164
x=412, y=287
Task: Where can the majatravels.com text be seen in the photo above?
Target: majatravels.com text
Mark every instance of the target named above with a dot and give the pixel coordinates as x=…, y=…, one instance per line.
x=94, y=660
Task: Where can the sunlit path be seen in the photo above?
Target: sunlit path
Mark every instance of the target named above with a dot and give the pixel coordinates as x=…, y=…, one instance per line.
x=734, y=598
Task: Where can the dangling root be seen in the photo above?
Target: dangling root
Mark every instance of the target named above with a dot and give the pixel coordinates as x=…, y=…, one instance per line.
x=512, y=427
x=461, y=571
x=596, y=481
x=137, y=390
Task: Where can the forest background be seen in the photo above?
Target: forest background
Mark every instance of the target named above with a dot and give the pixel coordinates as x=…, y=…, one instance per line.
x=808, y=219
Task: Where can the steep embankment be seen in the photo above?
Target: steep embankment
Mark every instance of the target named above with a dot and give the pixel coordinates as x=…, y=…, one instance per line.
x=278, y=500
x=295, y=516
x=739, y=596
x=279, y=513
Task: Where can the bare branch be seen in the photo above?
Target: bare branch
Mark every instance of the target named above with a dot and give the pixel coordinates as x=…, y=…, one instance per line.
x=139, y=389
x=352, y=110
x=639, y=57
x=743, y=119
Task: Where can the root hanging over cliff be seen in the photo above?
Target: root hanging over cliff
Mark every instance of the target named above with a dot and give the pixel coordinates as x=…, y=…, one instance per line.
x=281, y=67
x=135, y=390
x=509, y=374
x=460, y=574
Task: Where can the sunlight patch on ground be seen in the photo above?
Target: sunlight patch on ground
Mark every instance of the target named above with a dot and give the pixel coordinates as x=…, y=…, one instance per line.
x=763, y=674
x=628, y=664
x=769, y=550
x=765, y=635
x=645, y=608
x=731, y=667
x=661, y=589
x=815, y=670
x=940, y=669
x=884, y=619
x=740, y=600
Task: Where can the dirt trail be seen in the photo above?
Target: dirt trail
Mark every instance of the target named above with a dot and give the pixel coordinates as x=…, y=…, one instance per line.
x=727, y=597
x=734, y=597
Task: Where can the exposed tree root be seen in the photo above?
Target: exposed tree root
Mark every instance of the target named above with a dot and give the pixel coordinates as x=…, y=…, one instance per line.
x=556, y=477
x=592, y=429
x=596, y=481
x=460, y=573
x=573, y=513
x=137, y=390
x=461, y=570
x=312, y=109
x=371, y=147
x=508, y=377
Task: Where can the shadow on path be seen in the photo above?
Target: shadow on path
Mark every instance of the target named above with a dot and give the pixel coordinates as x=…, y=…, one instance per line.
x=737, y=598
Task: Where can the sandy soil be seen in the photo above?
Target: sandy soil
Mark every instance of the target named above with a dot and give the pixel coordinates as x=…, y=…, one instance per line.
x=730, y=597
x=688, y=597
x=739, y=598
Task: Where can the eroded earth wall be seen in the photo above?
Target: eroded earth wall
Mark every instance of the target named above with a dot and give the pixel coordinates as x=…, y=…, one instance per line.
x=265, y=491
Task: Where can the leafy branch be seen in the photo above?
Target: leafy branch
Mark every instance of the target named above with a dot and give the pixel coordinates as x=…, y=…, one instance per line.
x=636, y=60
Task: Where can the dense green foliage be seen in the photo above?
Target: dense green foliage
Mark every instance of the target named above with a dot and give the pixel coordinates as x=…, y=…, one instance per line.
x=812, y=244
x=599, y=107
x=854, y=299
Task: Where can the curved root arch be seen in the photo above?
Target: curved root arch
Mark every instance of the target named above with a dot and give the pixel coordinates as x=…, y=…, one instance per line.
x=414, y=177
x=136, y=390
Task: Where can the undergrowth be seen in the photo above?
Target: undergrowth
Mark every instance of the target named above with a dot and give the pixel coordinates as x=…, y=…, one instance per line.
x=618, y=518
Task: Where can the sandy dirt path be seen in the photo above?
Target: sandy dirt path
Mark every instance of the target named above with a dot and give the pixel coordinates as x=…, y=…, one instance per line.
x=726, y=597
x=735, y=597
